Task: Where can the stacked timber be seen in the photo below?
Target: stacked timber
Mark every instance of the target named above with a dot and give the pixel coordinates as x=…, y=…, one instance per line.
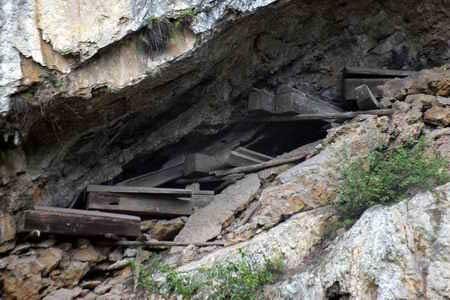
x=362, y=84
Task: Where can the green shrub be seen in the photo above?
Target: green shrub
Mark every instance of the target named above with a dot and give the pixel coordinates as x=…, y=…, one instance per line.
x=387, y=176
x=239, y=279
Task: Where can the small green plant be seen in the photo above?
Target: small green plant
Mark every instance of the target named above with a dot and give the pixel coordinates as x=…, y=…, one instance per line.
x=238, y=279
x=388, y=176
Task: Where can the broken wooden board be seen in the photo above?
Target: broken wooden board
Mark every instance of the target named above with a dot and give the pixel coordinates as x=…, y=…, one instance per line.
x=292, y=101
x=365, y=99
x=350, y=72
x=244, y=157
x=206, y=223
x=156, y=178
x=147, y=205
x=144, y=190
x=351, y=84
x=77, y=222
x=199, y=163
x=261, y=101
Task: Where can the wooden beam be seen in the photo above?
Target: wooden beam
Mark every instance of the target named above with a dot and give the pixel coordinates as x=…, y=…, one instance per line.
x=237, y=159
x=261, y=166
x=208, y=179
x=371, y=72
x=328, y=116
x=254, y=154
x=365, y=98
x=143, y=190
x=351, y=84
x=156, y=178
x=167, y=244
x=77, y=222
x=199, y=163
x=147, y=205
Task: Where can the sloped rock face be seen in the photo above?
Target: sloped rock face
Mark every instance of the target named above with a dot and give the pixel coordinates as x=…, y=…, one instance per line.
x=92, y=87
x=398, y=252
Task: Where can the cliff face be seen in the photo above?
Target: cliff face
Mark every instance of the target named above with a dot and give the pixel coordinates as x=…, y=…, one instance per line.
x=89, y=87
x=100, y=91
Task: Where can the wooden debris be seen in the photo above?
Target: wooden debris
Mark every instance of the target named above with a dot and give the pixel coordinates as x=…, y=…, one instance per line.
x=352, y=83
x=261, y=166
x=77, y=222
x=148, y=205
x=156, y=178
x=198, y=163
x=167, y=244
x=355, y=77
x=208, y=179
x=244, y=157
x=365, y=99
x=328, y=116
x=144, y=190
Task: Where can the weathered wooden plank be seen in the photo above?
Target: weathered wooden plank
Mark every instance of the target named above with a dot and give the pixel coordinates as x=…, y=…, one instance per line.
x=351, y=84
x=237, y=159
x=372, y=72
x=261, y=166
x=261, y=101
x=365, y=98
x=143, y=190
x=254, y=154
x=156, y=178
x=329, y=116
x=199, y=163
x=78, y=222
x=145, y=205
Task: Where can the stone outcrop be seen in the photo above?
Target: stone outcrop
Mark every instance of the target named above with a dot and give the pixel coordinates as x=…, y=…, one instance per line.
x=94, y=92
x=398, y=252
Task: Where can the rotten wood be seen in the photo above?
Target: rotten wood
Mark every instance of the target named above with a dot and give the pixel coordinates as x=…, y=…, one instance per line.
x=147, y=205
x=351, y=84
x=261, y=166
x=323, y=116
x=143, y=190
x=209, y=179
x=365, y=99
x=167, y=244
x=199, y=163
x=156, y=178
x=253, y=154
x=77, y=222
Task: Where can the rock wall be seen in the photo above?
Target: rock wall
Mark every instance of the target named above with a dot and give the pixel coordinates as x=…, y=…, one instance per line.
x=92, y=87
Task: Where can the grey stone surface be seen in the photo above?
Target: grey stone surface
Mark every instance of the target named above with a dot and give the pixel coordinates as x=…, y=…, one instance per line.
x=206, y=223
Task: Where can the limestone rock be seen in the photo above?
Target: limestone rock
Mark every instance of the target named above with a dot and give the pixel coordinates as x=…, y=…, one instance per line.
x=163, y=230
x=22, y=278
x=49, y=258
x=397, y=252
x=313, y=182
x=7, y=228
x=71, y=273
x=293, y=240
x=87, y=253
x=64, y=294
x=206, y=223
x=438, y=115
